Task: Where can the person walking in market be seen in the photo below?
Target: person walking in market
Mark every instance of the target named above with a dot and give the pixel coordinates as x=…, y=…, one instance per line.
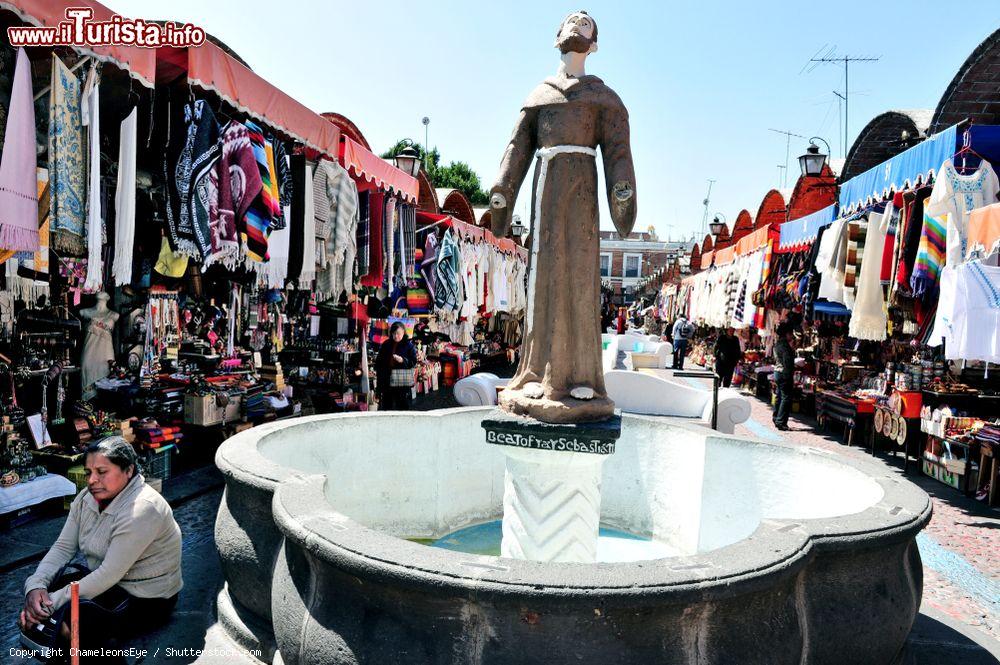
x=784, y=373
x=682, y=332
x=728, y=353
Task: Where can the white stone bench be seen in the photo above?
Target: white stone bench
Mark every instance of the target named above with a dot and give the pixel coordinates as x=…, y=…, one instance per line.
x=637, y=392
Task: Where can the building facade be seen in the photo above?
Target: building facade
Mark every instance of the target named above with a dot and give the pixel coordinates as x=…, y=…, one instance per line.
x=626, y=261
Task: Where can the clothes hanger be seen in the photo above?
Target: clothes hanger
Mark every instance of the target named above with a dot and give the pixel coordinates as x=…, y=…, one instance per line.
x=965, y=151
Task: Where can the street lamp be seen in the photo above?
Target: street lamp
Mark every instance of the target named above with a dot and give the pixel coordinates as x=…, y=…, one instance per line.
x=407, y=160
x=813, y=161
x=716, y=227
x=517, y=229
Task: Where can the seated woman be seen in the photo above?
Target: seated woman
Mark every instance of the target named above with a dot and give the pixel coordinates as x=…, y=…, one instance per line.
x=132, y=544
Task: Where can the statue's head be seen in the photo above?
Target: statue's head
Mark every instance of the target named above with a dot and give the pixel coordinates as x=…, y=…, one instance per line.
x=577, y=34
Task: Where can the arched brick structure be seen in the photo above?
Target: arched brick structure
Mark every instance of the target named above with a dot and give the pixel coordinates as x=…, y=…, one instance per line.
x=773, y=210
x=974, y=93
x=454, y=203
x=427, y=201
x=724, y=239
x=881, y=139
x=707, y=245
x=742, y=226
x=486, y=218
x=347, y=128
x=695, y=264
x=812, y=194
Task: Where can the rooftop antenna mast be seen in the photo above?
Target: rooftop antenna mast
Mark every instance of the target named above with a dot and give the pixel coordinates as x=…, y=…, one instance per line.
x=828, y=55
x=704, y=217
x=840, y=120
x=788, y=147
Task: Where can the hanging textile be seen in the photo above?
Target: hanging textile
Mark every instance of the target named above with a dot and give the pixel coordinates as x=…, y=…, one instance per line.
x=930, y=255
x=204, y=161
x=868, y=316
x=984, y=230
x=388, y=237
x=308, y=272
x=90, y=109
x=827, y=263
x=409, y=230
x=336, y=204
x=284, y=175
x=968, y=315
x=264, y=207
x=892, y=217
x=297, y=223
x=954, y=197
x=232, y=185
x=429, y=264
x=121, y=267
x=18, y=181
x=67, y=205
x=278, y=245
x=363, y=235
x=447, y=294
x=910, y=245
x=376, y=252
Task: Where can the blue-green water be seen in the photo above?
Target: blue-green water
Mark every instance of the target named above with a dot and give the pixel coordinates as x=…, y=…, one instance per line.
x=612, y=544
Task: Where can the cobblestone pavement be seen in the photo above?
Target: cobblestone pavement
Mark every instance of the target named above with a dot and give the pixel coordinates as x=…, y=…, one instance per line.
x=960, y=547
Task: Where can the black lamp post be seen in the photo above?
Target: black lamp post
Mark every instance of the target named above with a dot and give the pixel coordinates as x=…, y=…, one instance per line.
x=716, y=226
x=517, y=229
x=813, y=161
x=407, y=160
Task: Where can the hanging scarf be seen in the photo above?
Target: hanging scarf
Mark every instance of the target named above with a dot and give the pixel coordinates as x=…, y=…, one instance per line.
x=911, y=239
x=91, y=115
x=376, y=253
x=232, y=185
x=297, y=224
x=930, y=256
x=67, y=207
x=427, y=266
x=125, y=200
x=388, y=244
x=18, y=182
x=363, y=232
x=892, y=215
x=278, y=245
x=205, y=154
x=308, y=273
x=868, y=316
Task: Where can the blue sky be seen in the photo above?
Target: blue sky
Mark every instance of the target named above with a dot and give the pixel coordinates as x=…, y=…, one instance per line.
x=703, y=81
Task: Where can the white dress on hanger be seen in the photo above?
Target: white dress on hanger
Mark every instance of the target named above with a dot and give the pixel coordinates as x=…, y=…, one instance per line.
x=959, y=195
x=975, y=314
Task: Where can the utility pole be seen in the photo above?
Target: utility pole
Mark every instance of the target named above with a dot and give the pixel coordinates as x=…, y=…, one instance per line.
x=704, y=218
x=427, y=148
x=788, y=147
x=830, y=57
x=781, y=175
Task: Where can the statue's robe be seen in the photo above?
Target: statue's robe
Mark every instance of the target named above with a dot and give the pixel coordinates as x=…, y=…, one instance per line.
x=561, y=349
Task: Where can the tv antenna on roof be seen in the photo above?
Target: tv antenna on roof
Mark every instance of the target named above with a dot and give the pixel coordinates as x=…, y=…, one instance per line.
x=788, y=147
x=828, y=55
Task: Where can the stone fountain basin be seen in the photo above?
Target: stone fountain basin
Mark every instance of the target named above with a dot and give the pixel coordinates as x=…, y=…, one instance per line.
x=785, y=554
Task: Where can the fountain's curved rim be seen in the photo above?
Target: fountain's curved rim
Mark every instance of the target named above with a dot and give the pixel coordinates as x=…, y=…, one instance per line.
x=777, y=548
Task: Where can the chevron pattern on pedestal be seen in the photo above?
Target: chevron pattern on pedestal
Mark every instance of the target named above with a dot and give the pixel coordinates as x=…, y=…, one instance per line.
x=551, y=519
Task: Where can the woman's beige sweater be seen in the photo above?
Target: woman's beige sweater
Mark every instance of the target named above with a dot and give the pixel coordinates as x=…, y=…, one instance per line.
x=134, y=543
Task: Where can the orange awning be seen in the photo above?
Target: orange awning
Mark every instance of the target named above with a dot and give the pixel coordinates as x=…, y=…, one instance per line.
x=725, y=256
x=139, y=62
x=372, y=168
x=211, y=68
x=751, y=243
x=706, y=259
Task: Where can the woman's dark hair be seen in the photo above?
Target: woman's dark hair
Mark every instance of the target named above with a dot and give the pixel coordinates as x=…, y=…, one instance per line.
x=118, y=451
x=397, y=326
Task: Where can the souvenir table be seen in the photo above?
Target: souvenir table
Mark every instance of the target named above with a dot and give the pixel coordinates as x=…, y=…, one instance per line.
x=896, y=425
x=854, y=413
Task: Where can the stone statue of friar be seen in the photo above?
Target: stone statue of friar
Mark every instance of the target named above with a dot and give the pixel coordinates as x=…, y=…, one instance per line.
x=565, y=118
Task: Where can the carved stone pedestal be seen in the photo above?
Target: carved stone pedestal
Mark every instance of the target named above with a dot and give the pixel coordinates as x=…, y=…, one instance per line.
x=552, y=485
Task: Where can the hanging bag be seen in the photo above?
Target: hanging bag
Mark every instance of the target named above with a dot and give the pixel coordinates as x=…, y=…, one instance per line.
x=402, y=377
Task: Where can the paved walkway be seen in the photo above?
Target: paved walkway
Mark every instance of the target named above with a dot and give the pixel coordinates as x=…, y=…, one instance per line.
x=960, y=548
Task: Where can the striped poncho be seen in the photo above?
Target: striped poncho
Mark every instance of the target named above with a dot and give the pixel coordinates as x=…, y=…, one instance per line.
x=265, y=208
x=930, y=256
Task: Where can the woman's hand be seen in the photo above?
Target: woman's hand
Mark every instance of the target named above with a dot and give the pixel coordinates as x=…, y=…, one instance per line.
x=397, y=358
x=37, y=608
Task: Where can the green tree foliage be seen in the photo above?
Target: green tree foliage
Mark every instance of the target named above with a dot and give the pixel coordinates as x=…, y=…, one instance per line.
x=456, y=175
